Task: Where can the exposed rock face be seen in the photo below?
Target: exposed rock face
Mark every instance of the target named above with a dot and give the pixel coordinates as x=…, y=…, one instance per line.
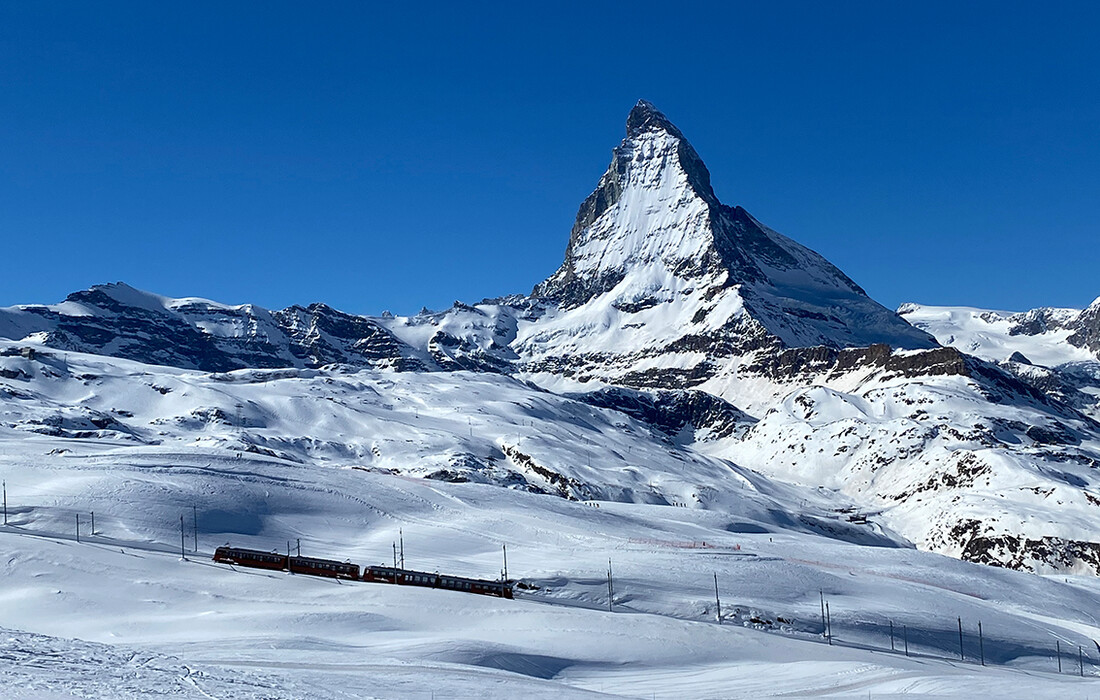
x=706, y=417
x=1086, y=328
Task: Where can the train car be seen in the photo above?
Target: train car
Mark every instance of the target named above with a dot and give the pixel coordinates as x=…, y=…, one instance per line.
x=251, y=557
x=405, y=577
x=472, y=585
x=380, y=574
x=324, y=567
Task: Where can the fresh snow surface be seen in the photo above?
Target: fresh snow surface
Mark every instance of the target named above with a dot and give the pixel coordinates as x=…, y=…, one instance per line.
x=339, y=455
x=989, y=334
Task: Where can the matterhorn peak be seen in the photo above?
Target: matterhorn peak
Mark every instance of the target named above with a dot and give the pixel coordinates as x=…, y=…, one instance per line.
x=645, y=117
x=653, y=231
x=648, y=126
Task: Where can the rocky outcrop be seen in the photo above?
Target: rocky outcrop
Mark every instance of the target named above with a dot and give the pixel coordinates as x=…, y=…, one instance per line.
x=1086, y=329
x=704, y=416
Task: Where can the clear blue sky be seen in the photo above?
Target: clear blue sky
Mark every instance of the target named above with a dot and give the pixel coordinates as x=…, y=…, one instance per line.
x=379, y=157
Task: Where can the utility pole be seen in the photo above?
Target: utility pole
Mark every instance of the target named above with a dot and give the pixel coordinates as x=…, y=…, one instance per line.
x=962, y=656
x=981, y=643
x=401, y=537
x=829, y=623
x=183, y=546
x=717, y=600
x=395, y=562
x=610, y=588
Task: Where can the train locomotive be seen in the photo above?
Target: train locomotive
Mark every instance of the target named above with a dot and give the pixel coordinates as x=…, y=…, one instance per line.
x=331, y=568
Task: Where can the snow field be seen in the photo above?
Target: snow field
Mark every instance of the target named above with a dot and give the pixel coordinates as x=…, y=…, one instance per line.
x=128, y=588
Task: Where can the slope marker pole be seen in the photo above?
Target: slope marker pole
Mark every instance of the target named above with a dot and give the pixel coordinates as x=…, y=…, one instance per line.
x=1081, y=661
x=1058, y=651
x=5, y=502
x=78, y=527
x=824, y=629
x=905, y=638
x=829, y=623
x=610, y=588
x=962, y=657
x=183, y=546
x=195, y=523
x=93, y=523
x=892, y=636
x=717, y=600
x=981, y=643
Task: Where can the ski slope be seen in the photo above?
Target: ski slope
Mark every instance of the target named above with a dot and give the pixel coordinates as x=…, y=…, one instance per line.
x=335, y=459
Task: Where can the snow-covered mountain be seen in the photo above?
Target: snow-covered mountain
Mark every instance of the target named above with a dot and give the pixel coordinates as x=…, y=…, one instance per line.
x=1054, y=350
x=1045, y=336
x=691, y=393
x=118, y=320
x=655, y=256
x=689, y=317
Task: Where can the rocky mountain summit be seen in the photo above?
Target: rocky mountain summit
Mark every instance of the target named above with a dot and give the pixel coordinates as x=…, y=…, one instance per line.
x=653, y=232
x=951, y=427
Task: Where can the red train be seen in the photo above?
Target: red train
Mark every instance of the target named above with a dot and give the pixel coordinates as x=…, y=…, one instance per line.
x=345, y=570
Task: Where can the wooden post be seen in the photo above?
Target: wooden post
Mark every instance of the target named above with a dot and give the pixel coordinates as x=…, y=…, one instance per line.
x=717, y=600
